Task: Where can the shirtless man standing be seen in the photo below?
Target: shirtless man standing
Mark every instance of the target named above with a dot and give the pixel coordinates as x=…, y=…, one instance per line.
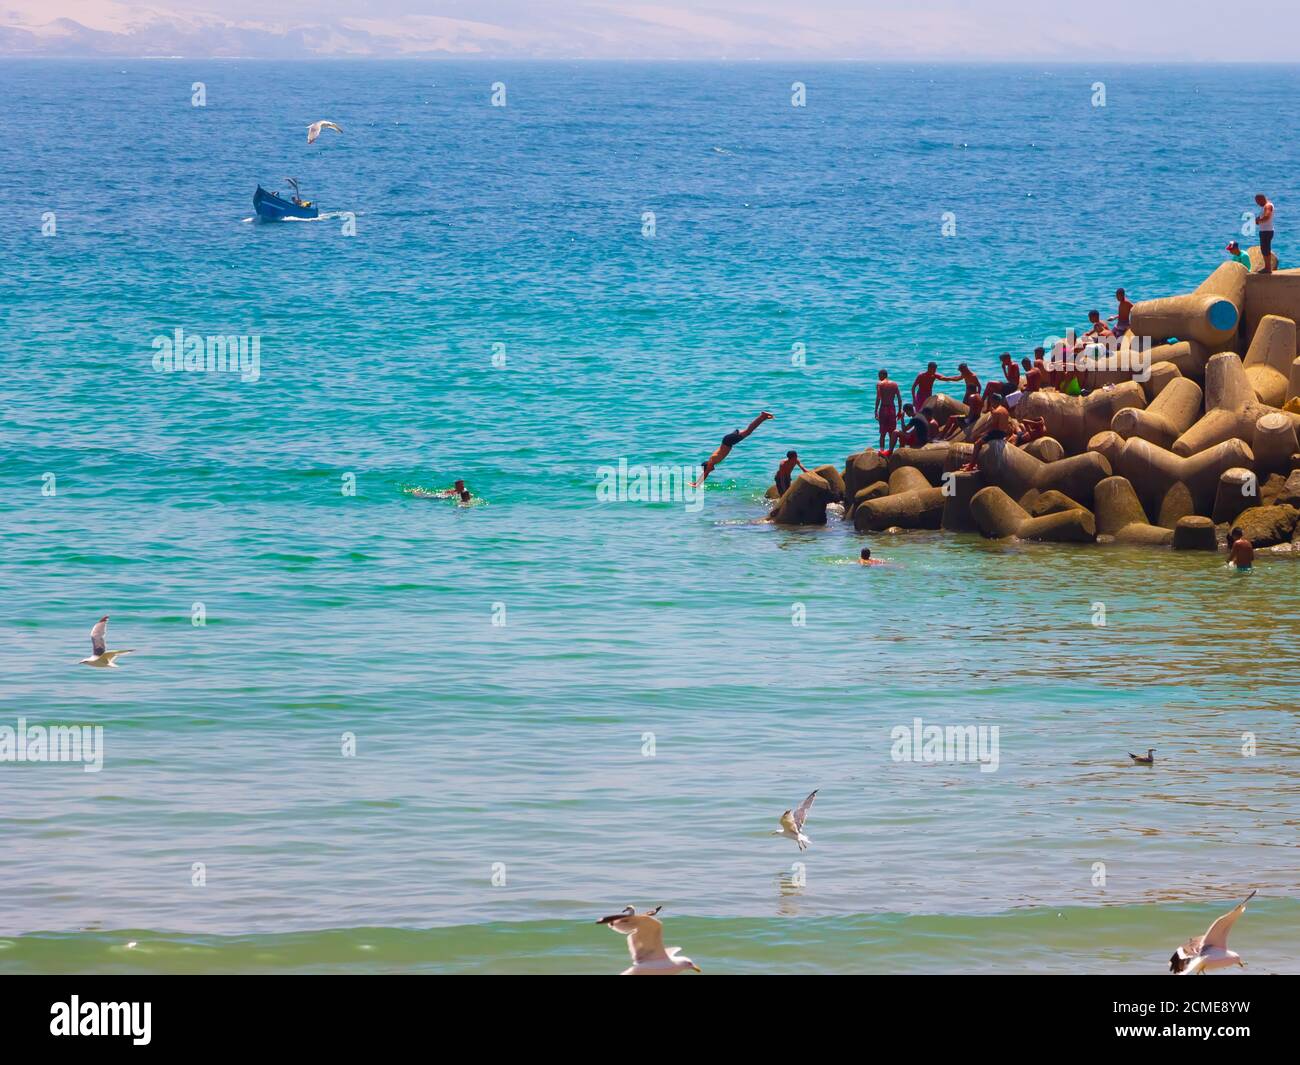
x=923, y=386
x=1241, y=552
x=965, y=373
x=889, y=404
x=786, y=470
x=724, y=449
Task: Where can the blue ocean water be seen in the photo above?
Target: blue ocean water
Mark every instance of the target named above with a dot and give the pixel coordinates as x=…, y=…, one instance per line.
x=502, y=792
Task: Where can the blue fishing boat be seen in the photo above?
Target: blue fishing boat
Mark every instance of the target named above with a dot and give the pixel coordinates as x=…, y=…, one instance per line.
x=271, y=207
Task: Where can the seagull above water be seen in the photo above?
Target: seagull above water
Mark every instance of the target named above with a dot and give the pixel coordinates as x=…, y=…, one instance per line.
x=1150, y=759
x=1200, y=954
x=313, y=131
x=792, y=822
x=645, y=942
x=98, y=655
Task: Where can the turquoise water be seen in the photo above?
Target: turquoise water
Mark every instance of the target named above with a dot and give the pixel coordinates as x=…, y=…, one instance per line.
x=516, y=751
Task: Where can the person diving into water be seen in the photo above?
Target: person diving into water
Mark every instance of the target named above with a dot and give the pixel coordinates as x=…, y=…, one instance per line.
x=724, y=449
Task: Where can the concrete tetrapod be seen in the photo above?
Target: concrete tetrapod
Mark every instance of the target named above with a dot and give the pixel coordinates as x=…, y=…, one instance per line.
x=1268, y=359
x=1176, y=504
x=930, y=460
x=1119, y=514
x=1277, y=293
x=1275, y=442
x=804, y=502
x=1158, y=379
x=998, y=516
x=863, y=469
x=1171, y=414
x=1108, y=444
x=956, y=503
x=1209, y=314
x=912, y=503
x=1238, y=489
x=1073, y=420
x=1152, y=470
x=1231, y=409
x=1188, y=357
x=1044, y=449
x=1016, y=472
x=1195, y=533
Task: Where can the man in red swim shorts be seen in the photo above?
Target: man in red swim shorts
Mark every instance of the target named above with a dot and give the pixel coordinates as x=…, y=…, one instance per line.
x=889, y=403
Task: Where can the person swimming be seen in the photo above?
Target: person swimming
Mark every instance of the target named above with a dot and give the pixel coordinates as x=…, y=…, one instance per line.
x=728, y=442
x=457, y=491
x=865, y=558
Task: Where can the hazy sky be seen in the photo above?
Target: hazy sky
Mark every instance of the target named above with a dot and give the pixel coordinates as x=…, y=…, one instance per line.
x=1048, y=30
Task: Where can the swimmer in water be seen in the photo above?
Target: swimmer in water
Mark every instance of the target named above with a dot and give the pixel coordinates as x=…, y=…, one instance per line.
x=465, y=498
x=444, y=493
x=865, y=558
x=724, y=449
x=1241, y=552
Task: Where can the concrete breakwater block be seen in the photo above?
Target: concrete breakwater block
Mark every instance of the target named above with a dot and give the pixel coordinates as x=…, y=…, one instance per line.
x=1231, y=408
x=1238, y=489
x=872, y=491
x=1209, y=314
x=1188, y=357
x=1267, y=294
x=1074, y=420
x=1045, y=449
x=920, y=507
x=1195, y=533
x=1268, y=359
x=1176, y=504
x=804, y=502
x=1016, y=472
x=931, y=460
x=1275, y=442
x=1108, y=444
x=1152, y=470
x=831, y=475
x=962, y=487
x=998, y=515
x=1170, y=414
x=1158, y=379
x=1119, y=513
x=863, y=469
x=942, y=406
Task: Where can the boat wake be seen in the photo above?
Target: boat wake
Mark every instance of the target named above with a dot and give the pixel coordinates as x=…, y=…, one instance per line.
x=324, y=216
x=327, y=216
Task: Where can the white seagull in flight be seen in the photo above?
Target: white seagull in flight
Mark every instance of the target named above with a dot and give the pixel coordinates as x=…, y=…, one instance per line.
x=99, y=656
x=1200, y=954
x=792, y=822
x=313, y=131
x=645, y=942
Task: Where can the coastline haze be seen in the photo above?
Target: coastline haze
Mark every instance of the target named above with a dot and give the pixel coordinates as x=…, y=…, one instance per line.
x=1110, y=31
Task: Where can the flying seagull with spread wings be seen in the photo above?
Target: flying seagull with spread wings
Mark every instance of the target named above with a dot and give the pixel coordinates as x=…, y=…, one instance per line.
x=645, y=942
x=792, y=822
x=313, y=131
x=1200, y=954
x=98, y=655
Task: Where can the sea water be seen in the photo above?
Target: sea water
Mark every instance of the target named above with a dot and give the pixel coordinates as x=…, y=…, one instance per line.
x=364, y=730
